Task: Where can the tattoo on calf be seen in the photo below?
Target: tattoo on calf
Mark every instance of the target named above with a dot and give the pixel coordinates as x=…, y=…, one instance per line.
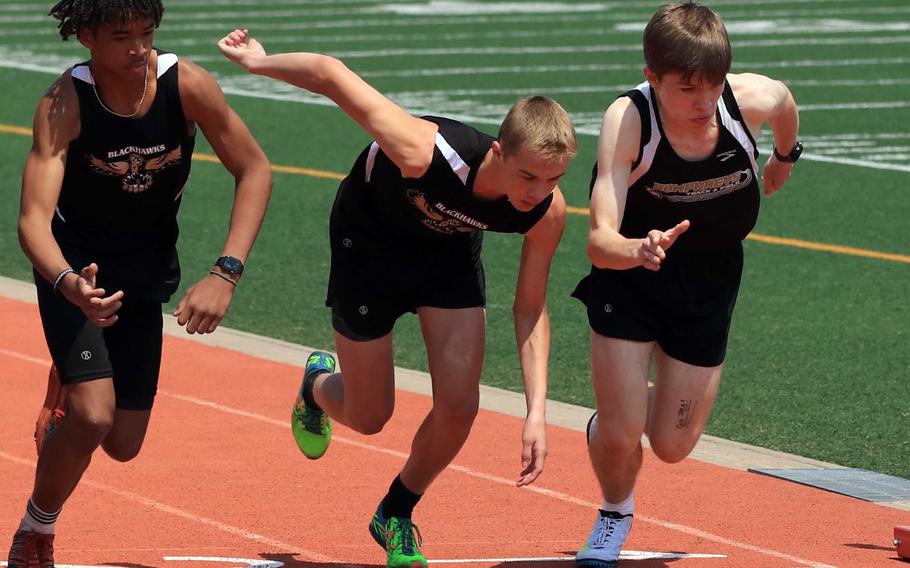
x=685, y=412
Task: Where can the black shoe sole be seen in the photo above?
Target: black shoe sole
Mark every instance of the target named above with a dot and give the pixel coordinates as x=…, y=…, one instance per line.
x=591, y=563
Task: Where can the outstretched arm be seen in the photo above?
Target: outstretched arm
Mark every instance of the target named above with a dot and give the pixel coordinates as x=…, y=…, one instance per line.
x=532, y=331
x=765, y=100
x=407, y=140
x=205, y=304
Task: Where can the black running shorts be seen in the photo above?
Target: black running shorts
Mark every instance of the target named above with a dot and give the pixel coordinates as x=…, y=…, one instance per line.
x=129, y=351
x=686, y=306
x=370, y=289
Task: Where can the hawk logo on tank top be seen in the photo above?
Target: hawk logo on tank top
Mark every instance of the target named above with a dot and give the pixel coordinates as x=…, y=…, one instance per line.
x=701, y=190
x=442, y=219
x=135, y=166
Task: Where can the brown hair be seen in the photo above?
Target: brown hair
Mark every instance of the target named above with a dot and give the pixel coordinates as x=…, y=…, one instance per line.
x=541, y=125
x=689, y=39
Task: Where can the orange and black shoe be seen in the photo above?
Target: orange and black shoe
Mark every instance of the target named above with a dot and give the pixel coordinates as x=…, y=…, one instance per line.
x=52, y=412
x=31, y=550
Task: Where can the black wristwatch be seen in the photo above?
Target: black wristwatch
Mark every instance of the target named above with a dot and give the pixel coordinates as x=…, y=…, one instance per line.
x=792, y=156
x=230, y=265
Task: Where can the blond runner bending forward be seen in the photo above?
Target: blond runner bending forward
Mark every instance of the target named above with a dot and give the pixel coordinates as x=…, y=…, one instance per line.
x=405, y=233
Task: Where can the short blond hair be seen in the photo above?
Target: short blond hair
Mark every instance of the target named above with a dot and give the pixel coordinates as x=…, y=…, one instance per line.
x=541, y=125
x=689, y=39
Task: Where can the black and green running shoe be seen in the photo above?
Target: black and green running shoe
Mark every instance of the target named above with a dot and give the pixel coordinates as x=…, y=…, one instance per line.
x=311, y=427
x=400, y=539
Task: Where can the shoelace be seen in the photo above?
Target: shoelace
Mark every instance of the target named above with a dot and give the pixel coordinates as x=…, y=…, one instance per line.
x=312, y=421
x=607, y=528
x=408, y=530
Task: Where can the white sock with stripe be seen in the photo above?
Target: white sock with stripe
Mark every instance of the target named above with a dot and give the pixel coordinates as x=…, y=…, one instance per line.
x=36, y=520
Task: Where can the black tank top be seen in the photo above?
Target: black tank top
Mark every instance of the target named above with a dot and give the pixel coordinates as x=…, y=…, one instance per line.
x=719, y=194
x=437, y=209
x=122, y=187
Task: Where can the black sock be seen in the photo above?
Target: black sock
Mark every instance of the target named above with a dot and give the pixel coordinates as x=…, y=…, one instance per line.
x=308, y=399
x=399, y=501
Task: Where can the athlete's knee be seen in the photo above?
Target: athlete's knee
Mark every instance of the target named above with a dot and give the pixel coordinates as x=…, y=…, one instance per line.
x=457, y=413
x=369, y=424
x=122, y=450
x=672, y=449
x=93, y=424
x=616, y=441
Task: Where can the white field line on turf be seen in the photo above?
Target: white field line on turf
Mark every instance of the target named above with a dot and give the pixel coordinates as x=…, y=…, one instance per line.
x=449, y=9
x=370, y=22
x=192, y=517
x=844, y=149
x=56, y=64
x=53, y=42
x=857, y=136
x=587, y=123
x=854, y=106
x=643, y=4
x=253, y=17
x=827, y=10
x=751, y=25
x=559, y=496
x=785, y=26
x=539, y=69
x=608, y=89
x=627, y=3
x=531, y=8
x=43, y=5
x=570, y=49
x=53, y=64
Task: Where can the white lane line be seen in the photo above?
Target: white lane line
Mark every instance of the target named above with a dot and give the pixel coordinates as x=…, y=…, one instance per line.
x=395, y=453
x=508, y=482
x=24, y=357
x=624, y=555
x=192, y=517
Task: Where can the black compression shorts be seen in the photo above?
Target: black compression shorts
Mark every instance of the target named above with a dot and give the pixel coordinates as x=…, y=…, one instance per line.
x=129, y=351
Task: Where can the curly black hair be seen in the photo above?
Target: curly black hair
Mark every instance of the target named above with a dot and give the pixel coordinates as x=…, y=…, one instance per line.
x=77, y=15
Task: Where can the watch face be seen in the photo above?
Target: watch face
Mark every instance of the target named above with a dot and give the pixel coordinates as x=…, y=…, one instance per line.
x=230, y=264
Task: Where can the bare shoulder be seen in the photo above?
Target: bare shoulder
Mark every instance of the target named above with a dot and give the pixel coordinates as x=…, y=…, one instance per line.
x=622, y=112
x=620, y=132
x=57, y=120
x=199, y=91
x=192, y=73
x=194, y=80
x=756, y=93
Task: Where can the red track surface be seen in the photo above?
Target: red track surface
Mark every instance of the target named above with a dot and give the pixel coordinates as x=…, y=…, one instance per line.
x=220, y=476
